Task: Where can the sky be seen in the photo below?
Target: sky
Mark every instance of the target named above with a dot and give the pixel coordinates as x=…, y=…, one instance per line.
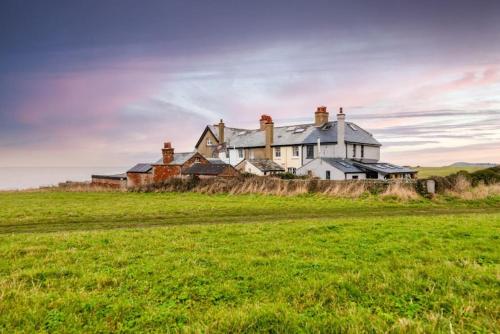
x=105, y=83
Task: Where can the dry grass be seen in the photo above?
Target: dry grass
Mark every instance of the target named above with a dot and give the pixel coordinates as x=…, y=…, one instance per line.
x=400, y=190
x=463, y=189
x=80, y=187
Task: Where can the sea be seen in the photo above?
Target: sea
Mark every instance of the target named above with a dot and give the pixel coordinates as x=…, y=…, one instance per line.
x=20, y=178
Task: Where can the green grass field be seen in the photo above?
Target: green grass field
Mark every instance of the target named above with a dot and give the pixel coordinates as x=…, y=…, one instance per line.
x=424, y=172
x=130, y=262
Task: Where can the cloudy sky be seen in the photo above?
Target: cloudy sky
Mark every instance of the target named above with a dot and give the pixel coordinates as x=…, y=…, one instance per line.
x=104, y=83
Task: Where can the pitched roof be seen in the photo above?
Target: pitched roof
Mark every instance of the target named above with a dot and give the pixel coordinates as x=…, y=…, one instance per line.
x=179, y=158
x=343, y=165
x=206, y=169
x=383, y=167
x=140, y=168
x=265, y=165
x=300, y=134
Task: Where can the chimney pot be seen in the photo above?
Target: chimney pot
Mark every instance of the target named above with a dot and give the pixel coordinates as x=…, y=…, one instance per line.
x=264, y=119
x=320, y=116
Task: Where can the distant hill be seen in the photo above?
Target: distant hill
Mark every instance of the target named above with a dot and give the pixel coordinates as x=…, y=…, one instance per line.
x=473, y=164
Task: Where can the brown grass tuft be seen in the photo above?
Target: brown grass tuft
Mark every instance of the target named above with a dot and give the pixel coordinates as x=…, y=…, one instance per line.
x=403, y=191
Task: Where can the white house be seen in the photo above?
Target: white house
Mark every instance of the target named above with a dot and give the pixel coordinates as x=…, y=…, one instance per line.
x=294, y=147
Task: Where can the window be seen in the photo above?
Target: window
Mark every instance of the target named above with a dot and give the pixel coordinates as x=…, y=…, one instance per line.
x=310, y=152
x=277, y=152
x=295, y=150
x=240, y=153
x=354, y=177
x=354, y=151
x=292, y=170
x=362, y=151
x=209, y=141
x=327, y=175
x=252, y=154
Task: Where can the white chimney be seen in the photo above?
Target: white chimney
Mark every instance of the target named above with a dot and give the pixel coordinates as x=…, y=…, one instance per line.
x=340, y=149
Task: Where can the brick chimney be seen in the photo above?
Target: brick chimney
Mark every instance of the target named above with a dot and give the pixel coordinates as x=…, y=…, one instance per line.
x=320, y=116
x=340, y=149
x=168, y=153
x=269, y=132
x=221, y=131
x=264, y=119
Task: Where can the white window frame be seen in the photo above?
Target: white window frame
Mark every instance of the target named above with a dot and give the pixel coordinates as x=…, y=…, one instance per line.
x=295, y=151
x=209, y=142
x=277, y=152
x=240, y=153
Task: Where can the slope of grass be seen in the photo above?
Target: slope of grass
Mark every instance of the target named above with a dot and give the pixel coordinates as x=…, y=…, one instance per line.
x=274, y=264
x=424, y=172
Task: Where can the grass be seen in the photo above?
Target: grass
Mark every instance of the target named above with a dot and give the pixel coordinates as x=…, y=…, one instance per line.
x=247, y=263
x=424, y=172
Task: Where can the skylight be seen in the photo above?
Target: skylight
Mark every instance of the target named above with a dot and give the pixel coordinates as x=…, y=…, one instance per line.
x=291, y=128
x=352, y=126
x=344, y=164
x=300, y=130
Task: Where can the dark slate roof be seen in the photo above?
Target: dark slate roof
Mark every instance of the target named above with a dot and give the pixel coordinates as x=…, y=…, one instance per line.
x=215, y=161
x=266, y=165
x=206, y=169
x=122, y=176
x=179, y=158
x=343, y=165
x=140, y=168
x=296, y=135
x=383, y=167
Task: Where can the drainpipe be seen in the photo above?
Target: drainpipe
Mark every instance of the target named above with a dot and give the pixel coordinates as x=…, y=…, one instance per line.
x=319, y=147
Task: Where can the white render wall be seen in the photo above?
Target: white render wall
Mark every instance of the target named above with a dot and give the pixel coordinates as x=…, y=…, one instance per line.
x=371, y=152
x=327, y=151
x=233, y=158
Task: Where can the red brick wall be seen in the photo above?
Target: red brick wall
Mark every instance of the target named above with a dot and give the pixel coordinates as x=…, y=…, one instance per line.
x=109, y=183
x=138, y=179
x=163, y=172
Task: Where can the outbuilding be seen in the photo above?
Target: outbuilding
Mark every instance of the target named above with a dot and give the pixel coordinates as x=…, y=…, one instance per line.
x=211, y=170
x=259, y=167
x=332, y=169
